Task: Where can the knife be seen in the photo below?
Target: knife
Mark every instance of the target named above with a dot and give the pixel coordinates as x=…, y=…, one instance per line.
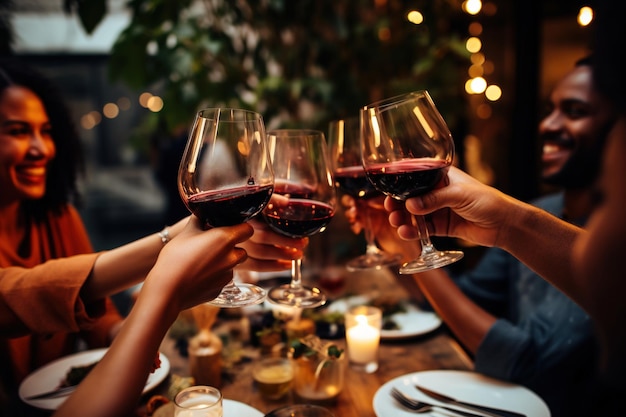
x=491, y=411
x=57, y=392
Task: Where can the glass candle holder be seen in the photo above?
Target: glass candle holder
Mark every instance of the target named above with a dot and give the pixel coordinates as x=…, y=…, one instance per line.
x=363, y=325
x=198, y=401
x=318, y=375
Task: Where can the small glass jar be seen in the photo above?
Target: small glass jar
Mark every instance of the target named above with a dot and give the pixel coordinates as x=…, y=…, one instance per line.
x=317, y=377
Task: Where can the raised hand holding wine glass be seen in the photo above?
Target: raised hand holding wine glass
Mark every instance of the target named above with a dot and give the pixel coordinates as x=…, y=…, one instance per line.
x=303, y=202
x=406, y=150
x=226, y=178
x=344, y=139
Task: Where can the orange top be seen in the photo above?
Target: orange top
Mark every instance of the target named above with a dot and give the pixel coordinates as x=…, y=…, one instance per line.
x=42, y=314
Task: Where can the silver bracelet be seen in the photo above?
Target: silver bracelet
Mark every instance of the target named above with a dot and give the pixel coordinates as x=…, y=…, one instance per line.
x=165, y=235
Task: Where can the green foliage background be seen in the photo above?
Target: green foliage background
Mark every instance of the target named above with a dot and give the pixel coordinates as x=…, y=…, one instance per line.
x=298, y=62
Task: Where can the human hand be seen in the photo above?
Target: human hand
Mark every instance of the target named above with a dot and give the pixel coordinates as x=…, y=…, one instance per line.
x=463, y=207
x=194, y=266
x=371, y=216
x=270, y=251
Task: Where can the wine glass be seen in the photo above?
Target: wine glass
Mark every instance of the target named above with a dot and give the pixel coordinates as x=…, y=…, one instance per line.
x=344, y=138
x=303, y=202
x=407, y=149
x=226, y=178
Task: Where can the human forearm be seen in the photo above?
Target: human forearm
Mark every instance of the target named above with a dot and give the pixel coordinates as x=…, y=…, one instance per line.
x=131, y=355
x=125, y=266
x=544, y=243
x=469, y=322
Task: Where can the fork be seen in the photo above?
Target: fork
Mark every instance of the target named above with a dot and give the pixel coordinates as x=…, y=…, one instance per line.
x=419, y=407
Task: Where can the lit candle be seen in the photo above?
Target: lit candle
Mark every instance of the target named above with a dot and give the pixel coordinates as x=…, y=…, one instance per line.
x=363, y=324
x=363, y=341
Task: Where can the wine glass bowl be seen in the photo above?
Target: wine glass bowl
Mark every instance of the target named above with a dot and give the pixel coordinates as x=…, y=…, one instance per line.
x=226, y=178
x=406, y=151
x=303, y=202
x=345, y=150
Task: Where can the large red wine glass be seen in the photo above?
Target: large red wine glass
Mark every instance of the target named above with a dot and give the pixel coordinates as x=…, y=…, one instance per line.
x=226, y=178
x=406, y=150
x=303, y=202
x=344, y=139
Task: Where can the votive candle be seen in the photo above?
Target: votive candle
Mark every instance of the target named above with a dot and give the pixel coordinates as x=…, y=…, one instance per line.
x=363, y=324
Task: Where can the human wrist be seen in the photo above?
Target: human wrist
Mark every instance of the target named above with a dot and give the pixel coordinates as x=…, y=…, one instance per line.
x=164, y=235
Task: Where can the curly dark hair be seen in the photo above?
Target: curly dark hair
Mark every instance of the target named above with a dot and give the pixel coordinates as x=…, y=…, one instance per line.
x=68, y=164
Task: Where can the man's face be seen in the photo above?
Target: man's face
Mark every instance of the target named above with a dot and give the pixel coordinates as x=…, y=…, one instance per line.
x=573, y=132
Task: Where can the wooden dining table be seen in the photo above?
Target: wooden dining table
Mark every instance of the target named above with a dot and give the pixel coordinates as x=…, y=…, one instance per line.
x=434, y=350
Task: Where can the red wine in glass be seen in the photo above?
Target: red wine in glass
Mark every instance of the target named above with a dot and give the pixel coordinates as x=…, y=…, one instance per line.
x=408, y=178
x=225, y=178
x=299, y=218
x=231, y=206
x=406, y=150
x=303, y=202
x=345, y=148
x=352, y=181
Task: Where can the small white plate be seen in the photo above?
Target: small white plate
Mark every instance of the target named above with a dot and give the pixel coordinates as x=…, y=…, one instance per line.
x=231, y=409
x=49, y=377
x=470, y=387
x=412, y=322
x=238, y=409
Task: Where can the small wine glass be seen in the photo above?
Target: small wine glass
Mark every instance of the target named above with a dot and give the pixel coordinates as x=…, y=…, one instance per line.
x=407, y=149
x=303, y=202
x=226, y=178
x=344, y=138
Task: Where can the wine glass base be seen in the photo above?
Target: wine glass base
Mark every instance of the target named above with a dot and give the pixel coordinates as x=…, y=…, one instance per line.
x=373, y=261
x=240, y=296
x=433, y=260
x=302, y=297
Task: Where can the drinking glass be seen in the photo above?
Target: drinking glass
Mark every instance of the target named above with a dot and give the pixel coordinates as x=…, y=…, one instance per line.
x=407, y=149
x=344, y=138
x=198, y=401
x=226, y=178
x=303, y=202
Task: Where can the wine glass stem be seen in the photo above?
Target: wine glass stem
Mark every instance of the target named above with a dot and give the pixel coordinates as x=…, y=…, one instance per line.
x=296, y=273
x=230, y=290
x=422, y=230
x=370, y=238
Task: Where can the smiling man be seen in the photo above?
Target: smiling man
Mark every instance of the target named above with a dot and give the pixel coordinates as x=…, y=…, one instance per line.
x=573, y=131
x=518, y=326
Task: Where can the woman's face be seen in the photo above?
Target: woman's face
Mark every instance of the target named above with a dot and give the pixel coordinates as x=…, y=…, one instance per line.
x=599, y=253
x=26, y=145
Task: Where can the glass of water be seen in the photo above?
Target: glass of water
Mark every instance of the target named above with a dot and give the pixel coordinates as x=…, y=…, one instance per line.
x=198, y=401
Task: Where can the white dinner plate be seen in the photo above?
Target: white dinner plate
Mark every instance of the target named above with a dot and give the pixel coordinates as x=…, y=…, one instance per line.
x=412, y=322
x=464, y=386
x=49, y=377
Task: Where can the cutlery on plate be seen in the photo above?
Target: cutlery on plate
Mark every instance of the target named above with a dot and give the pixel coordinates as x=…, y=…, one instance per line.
x=57, y=392
x=489, y=411
x=418, y=406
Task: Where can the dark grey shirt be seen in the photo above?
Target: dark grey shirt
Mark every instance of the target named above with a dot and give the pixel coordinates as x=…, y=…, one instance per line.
x=542, y=339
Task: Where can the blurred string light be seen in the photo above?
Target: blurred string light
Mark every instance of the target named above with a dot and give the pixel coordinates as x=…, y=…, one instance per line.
x=113, y=110
x=585, y=15
x=481, y=67
x=476, y=84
